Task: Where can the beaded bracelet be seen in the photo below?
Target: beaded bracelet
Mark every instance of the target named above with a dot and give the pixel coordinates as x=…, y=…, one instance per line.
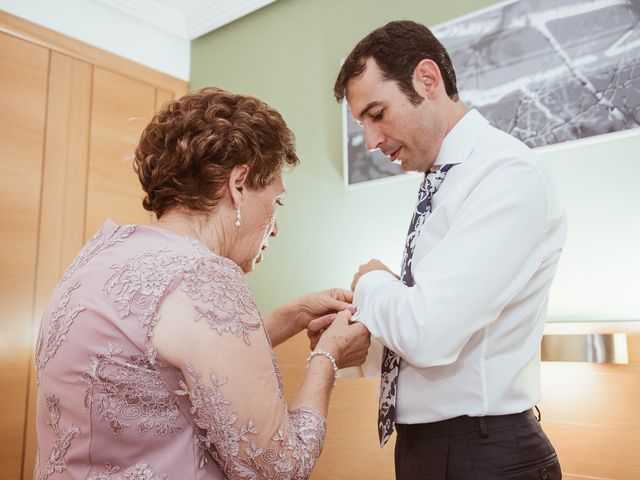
x=329, y=355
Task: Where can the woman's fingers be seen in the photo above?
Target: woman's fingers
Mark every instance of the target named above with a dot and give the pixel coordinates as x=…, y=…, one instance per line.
x=318, y=324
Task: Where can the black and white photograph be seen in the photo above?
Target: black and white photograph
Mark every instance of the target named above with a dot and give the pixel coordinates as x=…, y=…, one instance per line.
x=549, y=71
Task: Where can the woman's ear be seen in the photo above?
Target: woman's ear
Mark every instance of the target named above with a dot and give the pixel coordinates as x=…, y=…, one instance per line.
x=236, y=184
x=426, y=78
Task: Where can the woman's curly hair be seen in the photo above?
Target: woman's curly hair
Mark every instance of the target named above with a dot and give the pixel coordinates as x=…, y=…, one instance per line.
x=187, y=152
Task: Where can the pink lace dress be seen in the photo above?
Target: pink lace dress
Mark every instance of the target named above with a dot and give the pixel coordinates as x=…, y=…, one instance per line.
x=110, y=407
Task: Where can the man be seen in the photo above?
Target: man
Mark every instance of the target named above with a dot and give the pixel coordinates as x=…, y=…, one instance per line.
x=462, y=323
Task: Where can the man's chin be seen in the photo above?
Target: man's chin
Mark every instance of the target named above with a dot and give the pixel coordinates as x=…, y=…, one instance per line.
x=405, y=165
x=410, y=167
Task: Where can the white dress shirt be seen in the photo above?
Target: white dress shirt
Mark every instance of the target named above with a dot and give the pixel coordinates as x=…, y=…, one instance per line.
x=469, y=331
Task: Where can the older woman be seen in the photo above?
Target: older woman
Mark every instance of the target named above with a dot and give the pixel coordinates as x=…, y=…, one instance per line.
x=153, y=361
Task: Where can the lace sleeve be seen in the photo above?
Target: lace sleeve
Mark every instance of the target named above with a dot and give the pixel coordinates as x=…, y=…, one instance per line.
x=210, y=328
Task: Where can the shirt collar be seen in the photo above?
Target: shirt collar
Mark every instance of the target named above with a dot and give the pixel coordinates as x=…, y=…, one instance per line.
x=459, y=142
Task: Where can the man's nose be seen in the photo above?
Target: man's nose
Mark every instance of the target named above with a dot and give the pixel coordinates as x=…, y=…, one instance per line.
x=274, y=230
x=373, y=137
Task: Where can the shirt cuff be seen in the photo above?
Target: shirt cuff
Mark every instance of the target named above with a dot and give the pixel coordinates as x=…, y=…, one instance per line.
x=362, y=295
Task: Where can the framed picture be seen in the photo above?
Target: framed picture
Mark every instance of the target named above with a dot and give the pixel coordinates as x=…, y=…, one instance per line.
x=545, y=71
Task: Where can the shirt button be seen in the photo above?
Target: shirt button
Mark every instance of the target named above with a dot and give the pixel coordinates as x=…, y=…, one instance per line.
x=544, y=474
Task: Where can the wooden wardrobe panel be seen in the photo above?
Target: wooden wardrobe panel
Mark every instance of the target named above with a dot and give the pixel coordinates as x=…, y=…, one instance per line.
x=591, y=414
x=63, y=196
x=58, y=42
x=23, y=76
x=122, y=107
x=596, y=450
x=603, y=394
x=65, y=171
x=162, y=97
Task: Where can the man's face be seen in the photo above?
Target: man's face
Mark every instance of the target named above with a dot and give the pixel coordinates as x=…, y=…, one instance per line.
x=404, y=132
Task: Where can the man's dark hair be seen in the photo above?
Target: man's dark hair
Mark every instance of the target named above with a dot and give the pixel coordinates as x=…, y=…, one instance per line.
x=397, y=48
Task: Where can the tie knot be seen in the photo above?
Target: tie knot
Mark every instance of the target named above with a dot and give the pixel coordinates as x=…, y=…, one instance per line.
x=440, y=169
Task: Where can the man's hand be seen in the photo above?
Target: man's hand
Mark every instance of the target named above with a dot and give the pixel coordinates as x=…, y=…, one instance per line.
x=370, y=266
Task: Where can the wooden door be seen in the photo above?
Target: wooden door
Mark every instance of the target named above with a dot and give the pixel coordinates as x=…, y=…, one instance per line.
x=23, y=97
x=122, y=107
x=61, y=233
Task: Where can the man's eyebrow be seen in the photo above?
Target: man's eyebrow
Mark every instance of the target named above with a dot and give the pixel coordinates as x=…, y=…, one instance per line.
x=369, y=106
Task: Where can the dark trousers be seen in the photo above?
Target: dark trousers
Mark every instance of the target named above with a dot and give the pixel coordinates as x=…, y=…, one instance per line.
x=510, y=447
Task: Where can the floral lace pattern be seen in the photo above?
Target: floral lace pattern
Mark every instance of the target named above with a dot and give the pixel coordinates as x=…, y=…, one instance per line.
x=141, y=282
x=139, y=471
x=97, y=244
x=218, y=282
x=61, y=319
x=311, y=427
x=276, y=369
x=294, y=450
x=62, y=439
x=130, y=391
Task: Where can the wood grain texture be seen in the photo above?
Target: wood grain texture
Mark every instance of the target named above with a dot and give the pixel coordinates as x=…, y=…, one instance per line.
x=63, y=196
x=55, y=41
x=591, y=413
x=596, y=450
x=162, y=97
x=23, y=75
x=122, y=107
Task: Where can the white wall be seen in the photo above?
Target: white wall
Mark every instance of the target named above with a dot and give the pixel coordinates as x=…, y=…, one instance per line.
x=598, y=276
x=110, y=30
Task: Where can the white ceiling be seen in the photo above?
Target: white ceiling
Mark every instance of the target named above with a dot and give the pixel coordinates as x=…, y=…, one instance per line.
x=187, y=19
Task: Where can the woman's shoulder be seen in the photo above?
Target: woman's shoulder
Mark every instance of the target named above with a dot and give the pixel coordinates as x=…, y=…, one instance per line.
x=154, y=256
x=143, y=262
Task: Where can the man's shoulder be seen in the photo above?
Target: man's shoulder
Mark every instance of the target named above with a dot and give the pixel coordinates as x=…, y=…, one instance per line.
x=499, y=158
x=498, y=144
x=497, y=151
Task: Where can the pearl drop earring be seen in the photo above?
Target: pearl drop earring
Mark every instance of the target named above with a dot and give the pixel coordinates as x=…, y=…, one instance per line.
x=238, y=216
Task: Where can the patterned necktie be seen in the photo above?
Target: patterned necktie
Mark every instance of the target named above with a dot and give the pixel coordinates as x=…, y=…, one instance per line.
x=390, y=360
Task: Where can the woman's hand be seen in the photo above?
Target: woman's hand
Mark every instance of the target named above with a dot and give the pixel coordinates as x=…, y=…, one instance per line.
x=296, y=315
x=320, y=305
x=348, y=342
x=316, y=328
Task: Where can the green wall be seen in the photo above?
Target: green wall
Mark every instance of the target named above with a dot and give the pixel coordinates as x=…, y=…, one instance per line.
x=288, y=54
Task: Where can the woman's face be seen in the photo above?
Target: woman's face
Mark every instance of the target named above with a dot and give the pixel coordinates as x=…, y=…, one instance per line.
x=258, y=223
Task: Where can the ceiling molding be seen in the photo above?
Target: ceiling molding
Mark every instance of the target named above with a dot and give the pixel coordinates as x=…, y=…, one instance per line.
x=187, y=19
